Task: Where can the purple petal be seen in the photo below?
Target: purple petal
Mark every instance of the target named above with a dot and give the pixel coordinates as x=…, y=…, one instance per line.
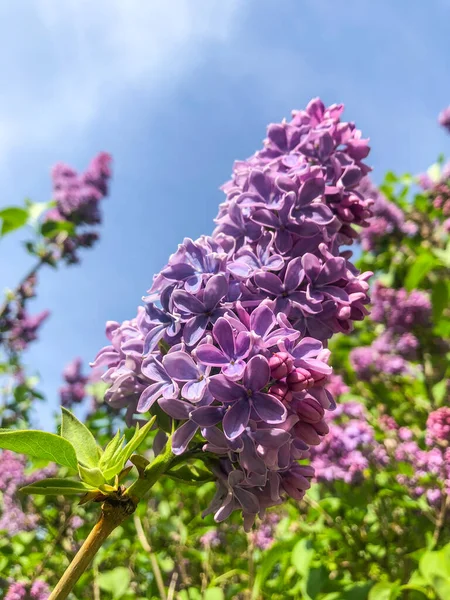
x=311, y=189
x=194, y=390
x=271, y=438
x=269, y=282
x=257, y=373
x=187, y=302
x=153, y=337
x=177, y=409
x=177, y=272
x=243, y=344
x=236, y=419
x=274, y=263
x=154, y=370
x=266, y=217
x=207, y=416
x=215, y=289
x=182, y=436
x=312, y=266
x=283, y=241
x=294, y=274
x=149, y=396
x=194, y=329
x=224, y=336
x=225, y=390
x=234, y=370
x=262, y=320
x=269, y=409
x=307, y=348
x=179, y=365
x=210, y=355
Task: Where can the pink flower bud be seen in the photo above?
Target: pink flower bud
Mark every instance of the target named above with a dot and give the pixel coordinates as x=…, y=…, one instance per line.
x=300, y=379
x=281, y=364
x=310, y=411
x=281, y=391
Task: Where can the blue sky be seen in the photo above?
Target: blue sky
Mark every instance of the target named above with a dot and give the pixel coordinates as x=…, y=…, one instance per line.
x=176, y=91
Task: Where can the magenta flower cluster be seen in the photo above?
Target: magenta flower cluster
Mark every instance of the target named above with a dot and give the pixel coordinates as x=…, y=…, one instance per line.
x=21, y=591
x=401, y=313
x=78, y=199
x=232, y=340
x=12, y=477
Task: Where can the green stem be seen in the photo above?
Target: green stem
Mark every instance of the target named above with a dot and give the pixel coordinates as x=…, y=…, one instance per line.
x=115, y=510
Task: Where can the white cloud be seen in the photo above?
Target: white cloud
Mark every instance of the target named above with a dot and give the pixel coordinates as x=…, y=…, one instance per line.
x=75, y=57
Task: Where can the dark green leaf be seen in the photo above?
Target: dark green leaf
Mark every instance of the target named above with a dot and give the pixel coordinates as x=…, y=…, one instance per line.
x=440, y=298
x=39, y=444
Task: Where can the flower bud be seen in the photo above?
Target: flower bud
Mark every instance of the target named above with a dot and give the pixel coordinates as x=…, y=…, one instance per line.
x=281, y=364
x=310, y=411
x=281, y=392
x=307, y=433
x=300, y=379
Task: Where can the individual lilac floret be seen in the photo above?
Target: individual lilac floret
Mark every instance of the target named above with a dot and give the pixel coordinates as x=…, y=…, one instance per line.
x=233, y=349
x=245, y=400
x=199, y=313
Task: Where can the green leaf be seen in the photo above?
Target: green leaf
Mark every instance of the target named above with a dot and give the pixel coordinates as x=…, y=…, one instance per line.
x=418, y=270
x=116, y=582
x=214, y=593
x=92, y=477
x=124, y=454
x=39, y=444
x=81, y=438
x=302, y=555
x=435, y=567
x=272, y=558
x=12, y=218
x=385, y=590
x=55, y=486
x=112, y=448
x=440, y=298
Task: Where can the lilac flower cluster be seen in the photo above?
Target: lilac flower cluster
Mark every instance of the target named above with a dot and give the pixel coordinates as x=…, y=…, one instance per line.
x=77, y=199
x=12, y=476
x=17, y=327
x=350, y=447
x=21, y=591
x=74, y=390
x=438, y=427
x=399, y=312
x=232, y=339
x=263, y=537
x=387, y=220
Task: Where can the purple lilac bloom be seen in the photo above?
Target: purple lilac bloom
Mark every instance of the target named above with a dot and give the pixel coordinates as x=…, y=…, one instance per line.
x=438, y=427
x=399, y=310
x=350, y=447
x=264, y=536
x=232, y=342
x=23, y=329
x=73, y=392
x=77, y=198
x=387, y=219
x=39, y=590
x=17, y=591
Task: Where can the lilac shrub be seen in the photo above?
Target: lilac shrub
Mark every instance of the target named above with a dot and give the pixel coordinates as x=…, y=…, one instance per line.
x=232, y=339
